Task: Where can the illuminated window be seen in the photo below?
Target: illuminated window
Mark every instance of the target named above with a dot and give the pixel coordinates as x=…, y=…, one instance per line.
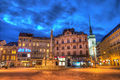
x=40, y=50
x=3, y=57
x=19, y=44
x=29, y=44
x=4, y=51
x=48, y=45
x=33, y=43
x=13, y=51
x=13, y=57
x=7, y=57
x=47, y=50
x=37, y=44
x=44, y=50
x=23, y=44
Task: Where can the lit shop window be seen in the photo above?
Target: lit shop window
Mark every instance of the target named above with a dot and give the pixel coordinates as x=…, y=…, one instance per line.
x=23, y=44
x=13, y=51
x=3, y=57
x=20, y=44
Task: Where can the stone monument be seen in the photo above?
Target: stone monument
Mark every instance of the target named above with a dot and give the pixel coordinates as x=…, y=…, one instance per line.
x=49, y=62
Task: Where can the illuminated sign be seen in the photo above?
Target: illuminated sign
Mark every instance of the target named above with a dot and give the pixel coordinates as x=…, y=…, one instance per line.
x=24, y=50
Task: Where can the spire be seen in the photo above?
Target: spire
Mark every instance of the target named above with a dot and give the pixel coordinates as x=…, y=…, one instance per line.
x=90, y=30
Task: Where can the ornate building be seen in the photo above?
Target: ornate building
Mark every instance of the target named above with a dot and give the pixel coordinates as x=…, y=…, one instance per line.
x=31, y=49
x=71, y=45
x=110, y=48
x=9, y=54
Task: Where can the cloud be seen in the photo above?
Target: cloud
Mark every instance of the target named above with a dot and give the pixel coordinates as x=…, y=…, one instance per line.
x=40, y=16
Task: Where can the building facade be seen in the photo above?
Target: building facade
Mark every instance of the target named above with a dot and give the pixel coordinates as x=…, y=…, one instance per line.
x=9, y=54
x=72, y=47
x=31, y=50
x=110, y=48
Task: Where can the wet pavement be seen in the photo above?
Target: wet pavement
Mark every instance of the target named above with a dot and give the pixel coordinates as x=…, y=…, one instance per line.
x=68, y=74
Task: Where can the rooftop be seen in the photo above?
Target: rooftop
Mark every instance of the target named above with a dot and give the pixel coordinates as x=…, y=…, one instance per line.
x=111, y=32
x=11, y=44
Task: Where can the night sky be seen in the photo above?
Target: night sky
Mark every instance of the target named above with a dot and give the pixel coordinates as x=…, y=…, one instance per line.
x=40, y=16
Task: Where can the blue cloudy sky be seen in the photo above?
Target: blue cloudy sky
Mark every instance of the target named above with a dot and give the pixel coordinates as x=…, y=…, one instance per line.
x=40, y=16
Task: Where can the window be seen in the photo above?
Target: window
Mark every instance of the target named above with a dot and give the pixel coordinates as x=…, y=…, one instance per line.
x=48, y=45
x=62, y=42
x=47, y=50
x=7, y=57
x=3, y=57
x=40, y=50
x=23, y=44
x=79, y=40
x=29, y=44
x=74, y=47
x=62, y=53
x=85, y=40
x=24, y=55
x=57, y=42
x=33, y=43
x=13, y=57
x=57, y=53
x=68, y=53
x=80, y=52
x=80, y=46
x=74, y=41
x=68, y=47
x=68, y=41
x=13, y=51
x=4, y=51
x=57, y=48
x=19, y=44
x=86, y=46
x=74, y=53
x=62, y=48
x=87, y=53
x=37, y=44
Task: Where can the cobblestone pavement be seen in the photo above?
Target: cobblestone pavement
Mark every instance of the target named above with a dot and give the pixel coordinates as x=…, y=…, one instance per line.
x=68, y=74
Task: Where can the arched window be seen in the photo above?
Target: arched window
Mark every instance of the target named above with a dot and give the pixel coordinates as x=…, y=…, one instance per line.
x=80, y=46
x=74, y=41
x=74, y=47
x=68, y=47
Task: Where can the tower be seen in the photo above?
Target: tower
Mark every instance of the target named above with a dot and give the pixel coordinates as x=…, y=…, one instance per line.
x=91, y=41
